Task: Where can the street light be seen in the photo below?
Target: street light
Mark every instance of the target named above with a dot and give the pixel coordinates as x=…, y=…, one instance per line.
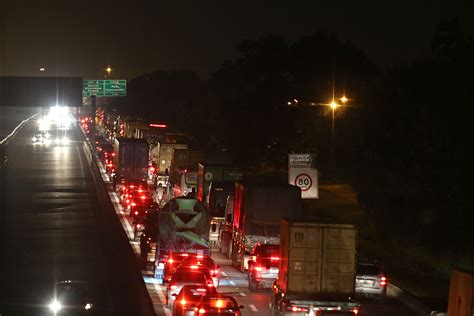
x=109, y=70
x=344, y=99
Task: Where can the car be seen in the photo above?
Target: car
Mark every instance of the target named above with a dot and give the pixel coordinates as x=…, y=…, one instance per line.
x=71, y=297
x=173, y=262
x=214, y=268
x=41, y=137
x=182, y=278
x=217, y=305
x=189, y=297
x=263, y=266
x=201, y=268
x=370, y=279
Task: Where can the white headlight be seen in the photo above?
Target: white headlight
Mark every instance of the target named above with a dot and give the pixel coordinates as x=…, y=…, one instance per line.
x=55, y=306
x=88, y=306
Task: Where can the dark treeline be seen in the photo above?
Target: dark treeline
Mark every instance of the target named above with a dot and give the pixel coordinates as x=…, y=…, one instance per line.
x=402, y=140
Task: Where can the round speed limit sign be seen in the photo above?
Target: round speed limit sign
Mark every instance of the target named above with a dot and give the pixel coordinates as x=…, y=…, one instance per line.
x=303, y=181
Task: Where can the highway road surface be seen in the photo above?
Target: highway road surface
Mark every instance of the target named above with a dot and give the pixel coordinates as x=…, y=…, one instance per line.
x=52, y=229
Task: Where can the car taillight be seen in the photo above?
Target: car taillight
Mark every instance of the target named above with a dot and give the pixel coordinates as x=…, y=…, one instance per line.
x=173, y=287
x=383, y=281
x=259, y=269
x=355, y=311
x=136, y=212
x=294, y=308
x=139, y=226
x=201, y=290
x=183, y=302
x=275, y=258
x=194, y=267
x=134, y=204
x=216, y=271
x=170, y=260
x=143, y=197
x=127, y=201
x=210, y=284
x=202, y=311
x=254, y=258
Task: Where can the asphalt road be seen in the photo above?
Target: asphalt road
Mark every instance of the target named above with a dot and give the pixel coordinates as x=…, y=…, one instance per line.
x=52, y=228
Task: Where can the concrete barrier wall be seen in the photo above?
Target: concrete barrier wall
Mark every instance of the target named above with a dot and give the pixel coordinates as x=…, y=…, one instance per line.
x=132, y=295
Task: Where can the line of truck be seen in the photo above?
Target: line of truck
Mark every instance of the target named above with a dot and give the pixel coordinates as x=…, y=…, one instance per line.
x=209, y=204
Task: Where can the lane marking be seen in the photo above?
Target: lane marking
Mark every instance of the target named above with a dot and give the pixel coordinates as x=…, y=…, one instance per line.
x=242, y=294
x=223, y=273
x=232, y=283
x=253, y=308
x=16, y=128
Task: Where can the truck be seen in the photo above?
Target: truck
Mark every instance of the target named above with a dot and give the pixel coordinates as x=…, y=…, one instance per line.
x=256, y=216
x=184, y=181
x=162, y=155
x=182, y=229
x=317, y=269
x=214, y=172
x=130, y=159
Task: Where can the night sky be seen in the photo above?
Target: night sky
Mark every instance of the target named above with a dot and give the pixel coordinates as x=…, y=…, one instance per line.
x=80, y=38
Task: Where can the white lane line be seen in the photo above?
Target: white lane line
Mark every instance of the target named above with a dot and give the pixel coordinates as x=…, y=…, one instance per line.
x=242, y=294
x=16, y=128
x=161, y=297
x=253, y=308
x=223, y=273
x=232, y=283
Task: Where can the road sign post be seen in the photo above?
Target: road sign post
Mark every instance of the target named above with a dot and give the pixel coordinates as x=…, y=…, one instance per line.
x=302, y=174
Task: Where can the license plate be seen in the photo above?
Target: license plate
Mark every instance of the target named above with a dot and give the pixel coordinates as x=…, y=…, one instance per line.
x=365, y=282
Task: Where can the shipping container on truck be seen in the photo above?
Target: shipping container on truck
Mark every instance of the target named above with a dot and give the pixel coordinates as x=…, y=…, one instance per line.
x=256, y=216
x=131, y=158
x=209, y=172
x=317, y=268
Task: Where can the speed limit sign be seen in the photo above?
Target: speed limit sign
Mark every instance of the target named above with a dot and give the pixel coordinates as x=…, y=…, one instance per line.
x=304, y=176
x=303, y=181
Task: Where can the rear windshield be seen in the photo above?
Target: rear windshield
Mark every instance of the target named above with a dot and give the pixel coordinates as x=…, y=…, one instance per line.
x=368, y=269
x=269, y=251
x=189, y=277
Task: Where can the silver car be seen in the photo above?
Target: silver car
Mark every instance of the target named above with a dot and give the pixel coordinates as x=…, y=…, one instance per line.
x=370, y=279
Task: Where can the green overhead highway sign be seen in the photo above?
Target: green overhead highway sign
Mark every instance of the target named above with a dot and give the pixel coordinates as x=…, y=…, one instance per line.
x=104, y=88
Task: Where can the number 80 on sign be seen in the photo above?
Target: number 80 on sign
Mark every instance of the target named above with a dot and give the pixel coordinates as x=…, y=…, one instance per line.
x=303, y=181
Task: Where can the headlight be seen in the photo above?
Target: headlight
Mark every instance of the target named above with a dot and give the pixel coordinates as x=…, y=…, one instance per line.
x=55, y=306
x=88, y=306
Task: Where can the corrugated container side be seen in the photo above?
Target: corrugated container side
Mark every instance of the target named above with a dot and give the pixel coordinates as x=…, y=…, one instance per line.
x=317, y=258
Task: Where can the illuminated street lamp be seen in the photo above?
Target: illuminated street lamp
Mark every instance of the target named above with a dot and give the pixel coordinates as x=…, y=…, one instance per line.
x=344, y=99
x=108, y=70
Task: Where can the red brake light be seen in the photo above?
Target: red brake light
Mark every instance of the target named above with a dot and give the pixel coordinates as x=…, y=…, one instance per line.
x=143, y=197
x=210, y=285
x=202, y=311
x=294, y=309
x=194, y=267
x=275, y=258
x=254, y=258
x=134, y=204
x=201, y=290
x=258, y=269
x=183, y=302
x=355, y=311
x=173, y=287
x=138, y=225
x=383, y=281
x=170, y=260
x=136, y=212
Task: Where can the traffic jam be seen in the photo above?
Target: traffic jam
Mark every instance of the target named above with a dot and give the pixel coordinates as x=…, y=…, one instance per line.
x=210, y=243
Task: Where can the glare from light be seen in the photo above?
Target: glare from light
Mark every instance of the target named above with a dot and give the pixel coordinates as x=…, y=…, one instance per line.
x=43, y=124
x=108, y=69
x=55, y=306
x=344, y=99
x=61, y=116
x=42, y=69
x=333, y=105
x=88, y=306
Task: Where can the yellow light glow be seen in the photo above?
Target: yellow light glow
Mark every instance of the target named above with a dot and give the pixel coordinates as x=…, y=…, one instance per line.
x=108, y=69
x=344, y=99
x=220, y=303
x=333, y=104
